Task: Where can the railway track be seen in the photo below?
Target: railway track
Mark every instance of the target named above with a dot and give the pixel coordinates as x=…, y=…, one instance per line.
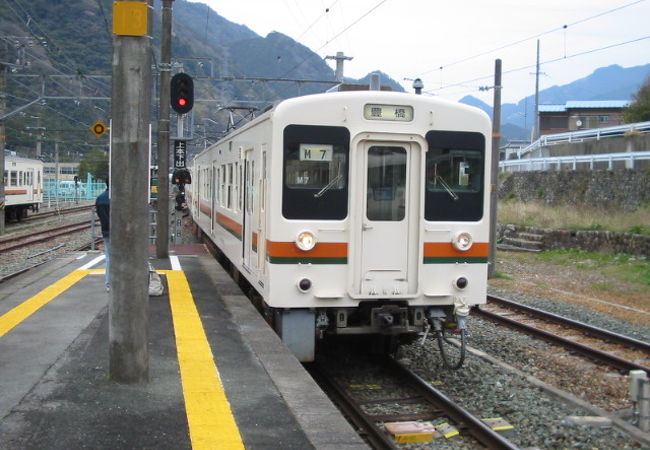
x=616, y=350
x=38, y=237
x=406, y=395
x=34, y=218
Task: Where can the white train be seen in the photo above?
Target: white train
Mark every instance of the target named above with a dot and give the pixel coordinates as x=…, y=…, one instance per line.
x=23, y=182
x=353, y=213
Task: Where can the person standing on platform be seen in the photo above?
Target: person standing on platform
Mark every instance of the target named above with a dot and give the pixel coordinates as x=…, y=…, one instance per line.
x=103, y=208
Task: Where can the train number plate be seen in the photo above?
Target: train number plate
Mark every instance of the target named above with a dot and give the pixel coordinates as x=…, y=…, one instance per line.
x=316, y=152
x=399, y=113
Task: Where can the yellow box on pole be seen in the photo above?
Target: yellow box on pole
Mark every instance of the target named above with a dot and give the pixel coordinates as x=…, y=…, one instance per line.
x=130, y=18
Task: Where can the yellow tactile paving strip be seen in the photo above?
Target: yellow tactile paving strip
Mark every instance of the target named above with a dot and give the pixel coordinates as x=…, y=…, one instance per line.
x=209, y=416
x=210, y=419
x=21, y=312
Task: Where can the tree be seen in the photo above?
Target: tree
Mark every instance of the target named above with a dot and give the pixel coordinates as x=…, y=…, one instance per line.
x=96, y=163
x=639, y=110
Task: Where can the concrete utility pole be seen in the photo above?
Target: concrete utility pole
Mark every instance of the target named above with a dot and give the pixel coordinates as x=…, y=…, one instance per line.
x=340, y=59
x=131, y=111
x=3, y=139
x=494, y=164
x=536, y=126
x=162, y=216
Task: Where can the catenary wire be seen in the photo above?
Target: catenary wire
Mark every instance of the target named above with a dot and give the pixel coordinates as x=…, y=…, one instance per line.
x=511, y=44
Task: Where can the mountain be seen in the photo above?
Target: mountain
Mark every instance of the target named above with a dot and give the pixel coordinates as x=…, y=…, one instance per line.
x=606, y=83
x=71, y=39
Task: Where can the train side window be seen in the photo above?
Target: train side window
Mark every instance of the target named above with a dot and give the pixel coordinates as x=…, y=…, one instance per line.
x=455, y=166
x=229, y=187
x=315, y=183
x=13, y=178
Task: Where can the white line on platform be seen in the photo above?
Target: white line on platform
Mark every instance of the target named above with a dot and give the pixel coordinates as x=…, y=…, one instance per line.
x=176, y=264
x=91, y=263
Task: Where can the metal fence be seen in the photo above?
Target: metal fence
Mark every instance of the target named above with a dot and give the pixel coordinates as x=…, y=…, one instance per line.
x=604, y=160
x=69, y=191
x=582, y=135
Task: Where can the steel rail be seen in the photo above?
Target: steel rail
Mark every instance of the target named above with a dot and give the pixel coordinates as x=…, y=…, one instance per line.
x=60, y=231
x=590, y=329
x=365, y=425
x=46, y=214
x=475, y=426
x=583, y=349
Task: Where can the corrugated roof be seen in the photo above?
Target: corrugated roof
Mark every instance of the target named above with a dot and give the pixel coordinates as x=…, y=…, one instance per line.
x=593, y=104
x=552, y=108
x=585, y=104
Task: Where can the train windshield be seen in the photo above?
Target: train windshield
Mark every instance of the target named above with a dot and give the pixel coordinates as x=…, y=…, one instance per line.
x=455, y=164
x=315, y=172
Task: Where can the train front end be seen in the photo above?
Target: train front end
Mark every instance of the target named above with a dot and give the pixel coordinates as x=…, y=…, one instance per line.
x=381, y=223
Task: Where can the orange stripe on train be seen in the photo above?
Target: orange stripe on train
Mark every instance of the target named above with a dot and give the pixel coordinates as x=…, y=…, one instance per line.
x=447, y=249
x=321, y=250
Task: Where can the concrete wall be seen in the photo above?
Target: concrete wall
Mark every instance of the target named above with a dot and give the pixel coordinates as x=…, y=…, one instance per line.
x=618, y=144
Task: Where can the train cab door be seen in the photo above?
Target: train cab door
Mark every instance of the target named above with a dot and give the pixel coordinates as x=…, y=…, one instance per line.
x=389, y=219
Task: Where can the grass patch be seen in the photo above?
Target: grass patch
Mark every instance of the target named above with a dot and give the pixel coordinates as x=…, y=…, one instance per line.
x=501, y=275
x=630, y=268
x=572, y=217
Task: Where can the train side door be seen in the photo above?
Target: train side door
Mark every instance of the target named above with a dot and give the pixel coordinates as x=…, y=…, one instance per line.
x=29, y=183
x=388, y=253
x=248, y=232
x=213, y=196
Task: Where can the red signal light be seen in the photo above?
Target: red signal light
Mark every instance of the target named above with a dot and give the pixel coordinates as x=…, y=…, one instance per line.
x=182, y=102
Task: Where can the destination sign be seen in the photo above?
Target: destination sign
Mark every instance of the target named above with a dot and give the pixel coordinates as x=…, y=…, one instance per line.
x=398, y=113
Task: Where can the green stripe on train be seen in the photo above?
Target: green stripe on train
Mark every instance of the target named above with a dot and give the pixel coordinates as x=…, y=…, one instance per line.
x=289, y=260
x=456, y=260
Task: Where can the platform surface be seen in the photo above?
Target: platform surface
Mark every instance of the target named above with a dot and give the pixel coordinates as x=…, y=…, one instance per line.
x=249, y=392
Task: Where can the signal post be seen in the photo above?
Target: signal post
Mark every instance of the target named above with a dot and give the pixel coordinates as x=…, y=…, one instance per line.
x=131, y=107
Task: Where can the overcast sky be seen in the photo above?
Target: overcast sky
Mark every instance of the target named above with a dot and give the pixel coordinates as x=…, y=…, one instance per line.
x=449, y=44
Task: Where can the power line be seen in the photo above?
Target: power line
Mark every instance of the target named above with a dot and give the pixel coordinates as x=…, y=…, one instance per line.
x=315, y=52
x=564, y=27
x=328, y=9
x=586, y=52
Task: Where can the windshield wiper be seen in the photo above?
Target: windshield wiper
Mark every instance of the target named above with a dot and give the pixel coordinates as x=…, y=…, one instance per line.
x=328, y=186
x=447, y=188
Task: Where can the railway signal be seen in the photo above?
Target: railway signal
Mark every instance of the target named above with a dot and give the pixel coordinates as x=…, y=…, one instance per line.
x=182, y=93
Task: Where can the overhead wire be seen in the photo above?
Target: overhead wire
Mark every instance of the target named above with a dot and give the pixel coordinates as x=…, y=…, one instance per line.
x=511, y=44
x=310, y=26
x=315, y=52
x=29, y=21
x=528, y=66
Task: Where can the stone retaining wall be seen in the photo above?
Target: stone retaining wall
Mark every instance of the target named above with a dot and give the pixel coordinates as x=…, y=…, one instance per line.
x=625, y=190
x=593, y=241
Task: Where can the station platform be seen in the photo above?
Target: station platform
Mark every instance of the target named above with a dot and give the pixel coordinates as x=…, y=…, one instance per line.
x=218, y=375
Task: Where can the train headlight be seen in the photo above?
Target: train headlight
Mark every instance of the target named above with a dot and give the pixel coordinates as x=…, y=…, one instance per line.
x=305, y=241
x=463, y=241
